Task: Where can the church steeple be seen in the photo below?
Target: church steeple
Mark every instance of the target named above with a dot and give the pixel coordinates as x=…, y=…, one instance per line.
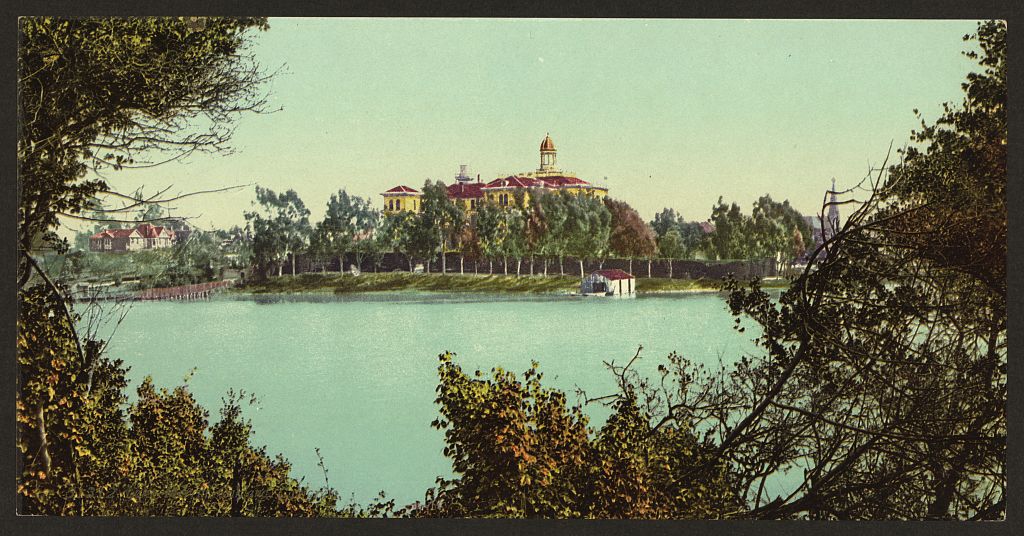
x=831, y=224
x=833, y=207
x=547, y=154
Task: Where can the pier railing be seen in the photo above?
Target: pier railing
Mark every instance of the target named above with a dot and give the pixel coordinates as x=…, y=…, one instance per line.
x=186, y=292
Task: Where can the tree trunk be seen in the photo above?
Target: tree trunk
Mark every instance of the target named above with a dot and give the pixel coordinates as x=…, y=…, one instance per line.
x=44, y=445
x=409, y=260
x=462, y=264
x=561, y=266
x=670, y=268
x=444, y=261
x=504, y=264
x=293, y=264
x=236, y=496
x=631, y=265
x=945, y=487
x=545, y=261
x=531, y=264
x=428, y=265
x=648, y=268
x=581, y=267
x=519, y=265
x=280, y=269
x=490, y=264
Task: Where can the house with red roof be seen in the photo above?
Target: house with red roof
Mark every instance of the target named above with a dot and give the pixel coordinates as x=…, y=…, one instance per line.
x=143, y=236
x=467, y=194
x=609, y=283
x=401, y=198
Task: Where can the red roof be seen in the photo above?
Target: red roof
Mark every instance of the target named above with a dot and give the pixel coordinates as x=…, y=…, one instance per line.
x=146, y=230
x=514, y=182
x=402, y=190
x=561, y=181
x=547, y=144
x=462, y=190
x=149, y=230
x=113, y=233
x=614, y=274
x=707, y=227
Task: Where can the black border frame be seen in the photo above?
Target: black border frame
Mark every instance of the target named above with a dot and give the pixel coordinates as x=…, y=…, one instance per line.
x=10, y=523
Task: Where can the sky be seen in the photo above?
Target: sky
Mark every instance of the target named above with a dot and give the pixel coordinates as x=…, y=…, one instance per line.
x=675, y=113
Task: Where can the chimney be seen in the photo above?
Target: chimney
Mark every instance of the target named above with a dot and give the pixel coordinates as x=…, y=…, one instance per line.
x=478, y=178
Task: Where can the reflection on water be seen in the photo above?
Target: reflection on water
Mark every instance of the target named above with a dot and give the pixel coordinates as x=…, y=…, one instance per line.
x=354, y=374
x=405, y=296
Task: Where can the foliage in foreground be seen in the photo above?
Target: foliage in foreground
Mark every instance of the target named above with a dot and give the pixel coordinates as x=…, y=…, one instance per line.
x=109, y=93
x=519, y=451
x=881, y=386
x=102, y=93
x=884, y=374
x=84, y=451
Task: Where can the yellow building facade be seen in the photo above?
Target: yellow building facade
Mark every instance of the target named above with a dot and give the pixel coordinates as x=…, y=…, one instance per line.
x=401, y=198
x=502, y=191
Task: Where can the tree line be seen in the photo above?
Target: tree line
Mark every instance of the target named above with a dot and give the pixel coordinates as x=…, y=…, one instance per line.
x=537, y=224
x=773, y=230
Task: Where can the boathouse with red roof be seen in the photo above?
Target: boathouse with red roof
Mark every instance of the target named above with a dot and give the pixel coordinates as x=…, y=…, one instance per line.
x=609, y=283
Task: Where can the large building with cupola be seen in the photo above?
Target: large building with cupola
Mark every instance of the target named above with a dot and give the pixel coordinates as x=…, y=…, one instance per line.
x=470, y=192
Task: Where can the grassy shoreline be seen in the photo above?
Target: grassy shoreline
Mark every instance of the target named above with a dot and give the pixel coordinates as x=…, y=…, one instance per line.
x=453, y=283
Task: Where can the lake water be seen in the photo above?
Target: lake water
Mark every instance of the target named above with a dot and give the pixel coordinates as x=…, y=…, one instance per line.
x=355, y=375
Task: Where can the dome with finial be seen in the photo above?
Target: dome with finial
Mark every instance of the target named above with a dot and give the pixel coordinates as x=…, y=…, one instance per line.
x=547, y=144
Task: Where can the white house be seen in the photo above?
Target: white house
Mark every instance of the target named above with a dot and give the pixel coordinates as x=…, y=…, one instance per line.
x=609, y=283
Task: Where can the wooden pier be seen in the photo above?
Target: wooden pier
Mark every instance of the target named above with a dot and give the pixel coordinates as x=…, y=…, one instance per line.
x=187, y=292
